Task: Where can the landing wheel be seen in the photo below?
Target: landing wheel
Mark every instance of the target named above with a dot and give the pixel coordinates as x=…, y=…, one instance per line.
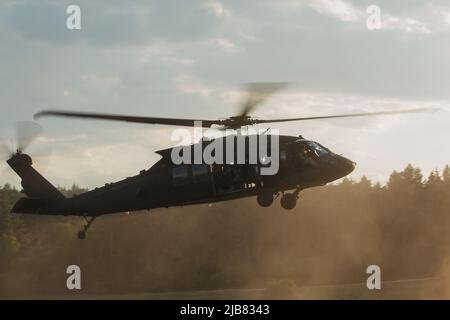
x=265, y=199
x=288, y=201
x=82, y=235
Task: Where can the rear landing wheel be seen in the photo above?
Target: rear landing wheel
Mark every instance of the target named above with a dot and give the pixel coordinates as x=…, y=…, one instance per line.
x=288, y=201
x=265, y=199
x=82, y=235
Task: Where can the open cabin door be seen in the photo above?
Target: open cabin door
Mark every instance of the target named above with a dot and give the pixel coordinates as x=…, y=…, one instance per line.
x=229, y=178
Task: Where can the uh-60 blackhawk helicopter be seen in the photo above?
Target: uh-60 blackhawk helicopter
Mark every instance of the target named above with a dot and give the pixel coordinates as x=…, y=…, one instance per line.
x=302, y=164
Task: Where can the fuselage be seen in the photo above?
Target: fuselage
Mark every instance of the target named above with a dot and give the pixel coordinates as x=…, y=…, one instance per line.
x=299, y=163
x=166, y=184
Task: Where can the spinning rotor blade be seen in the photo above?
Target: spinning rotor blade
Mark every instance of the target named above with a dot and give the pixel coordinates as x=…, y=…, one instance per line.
x=5, y=151
x=147, y=120
x=27, y=132
x=258, y=92
x=351, y=115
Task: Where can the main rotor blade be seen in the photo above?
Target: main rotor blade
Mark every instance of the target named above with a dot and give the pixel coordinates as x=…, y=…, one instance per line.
x=258, y=92
x=350, y=115
x=27, y=131
x=113, y=117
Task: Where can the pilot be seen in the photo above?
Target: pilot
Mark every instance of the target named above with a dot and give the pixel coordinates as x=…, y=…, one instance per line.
x=309, y=156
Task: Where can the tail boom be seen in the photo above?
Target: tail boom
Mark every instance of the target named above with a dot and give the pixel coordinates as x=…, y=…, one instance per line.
x=42, y=196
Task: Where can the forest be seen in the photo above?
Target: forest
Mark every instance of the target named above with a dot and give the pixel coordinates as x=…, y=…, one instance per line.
x=333, y=234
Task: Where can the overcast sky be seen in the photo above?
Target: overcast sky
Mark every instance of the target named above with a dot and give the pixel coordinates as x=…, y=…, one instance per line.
x=190, y=58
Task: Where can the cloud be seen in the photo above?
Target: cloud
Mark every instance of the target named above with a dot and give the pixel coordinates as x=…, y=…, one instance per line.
x=339, y=9
x=218, y=9
x=113, y=23
x=439, y=17
x=408, y=25
x=248, y=36
x=225, y=45
x=101, y=82
x=163, y=53
x=190, y=86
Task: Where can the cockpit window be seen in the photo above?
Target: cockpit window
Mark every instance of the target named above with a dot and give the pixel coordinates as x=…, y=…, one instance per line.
x=317, y=148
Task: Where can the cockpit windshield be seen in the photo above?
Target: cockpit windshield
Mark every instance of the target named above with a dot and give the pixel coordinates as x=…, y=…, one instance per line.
x=317, y=148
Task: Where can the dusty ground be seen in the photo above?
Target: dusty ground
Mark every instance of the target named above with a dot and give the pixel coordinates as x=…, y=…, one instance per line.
x=426, y=288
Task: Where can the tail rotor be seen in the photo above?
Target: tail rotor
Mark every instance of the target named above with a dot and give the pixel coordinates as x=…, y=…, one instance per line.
x=27, y=132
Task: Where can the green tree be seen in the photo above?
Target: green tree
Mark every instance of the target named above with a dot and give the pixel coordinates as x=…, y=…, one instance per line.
x=446, y=175
x=409, y=181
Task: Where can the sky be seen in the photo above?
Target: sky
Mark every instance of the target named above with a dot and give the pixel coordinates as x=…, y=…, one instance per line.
x=191, y=58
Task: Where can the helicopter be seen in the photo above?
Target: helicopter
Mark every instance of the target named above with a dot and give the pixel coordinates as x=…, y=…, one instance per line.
x=303, y=164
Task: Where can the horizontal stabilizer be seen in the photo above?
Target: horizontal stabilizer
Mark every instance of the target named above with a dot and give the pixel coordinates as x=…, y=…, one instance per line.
x=35, y=186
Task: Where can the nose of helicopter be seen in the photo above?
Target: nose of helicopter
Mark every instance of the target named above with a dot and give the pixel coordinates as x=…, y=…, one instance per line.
x=346, y=166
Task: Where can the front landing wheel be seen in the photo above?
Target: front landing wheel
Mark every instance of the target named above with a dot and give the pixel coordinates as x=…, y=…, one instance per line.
x=265, y=199
x=288, y=201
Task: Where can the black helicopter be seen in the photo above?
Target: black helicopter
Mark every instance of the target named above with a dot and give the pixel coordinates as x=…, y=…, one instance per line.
x=302, y=164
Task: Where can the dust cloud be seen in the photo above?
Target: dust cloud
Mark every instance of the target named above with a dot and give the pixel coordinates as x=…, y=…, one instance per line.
x=319, y=250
